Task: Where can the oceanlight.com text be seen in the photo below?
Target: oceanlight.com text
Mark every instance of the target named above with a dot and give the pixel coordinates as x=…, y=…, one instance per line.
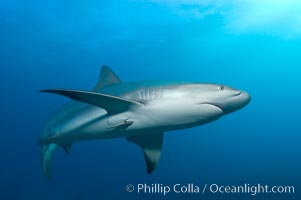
x=193, y=188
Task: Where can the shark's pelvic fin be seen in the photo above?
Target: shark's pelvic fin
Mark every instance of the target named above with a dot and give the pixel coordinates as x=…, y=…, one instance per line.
x=47, y=152
x=111, y=104
x=122, y=125
x=151, y=145
x=106, y=78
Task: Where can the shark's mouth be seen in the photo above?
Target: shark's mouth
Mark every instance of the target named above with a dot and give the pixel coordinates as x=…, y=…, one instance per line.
x=213, y=104
x=217, y=106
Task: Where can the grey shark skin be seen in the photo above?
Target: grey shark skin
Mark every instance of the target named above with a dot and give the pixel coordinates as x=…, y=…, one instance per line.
x=139, y=111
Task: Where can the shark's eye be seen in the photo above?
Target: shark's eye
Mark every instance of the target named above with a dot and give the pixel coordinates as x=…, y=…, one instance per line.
x=221, y=88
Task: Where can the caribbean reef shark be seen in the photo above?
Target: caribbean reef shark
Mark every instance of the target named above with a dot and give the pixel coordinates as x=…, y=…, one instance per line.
x=139, y=111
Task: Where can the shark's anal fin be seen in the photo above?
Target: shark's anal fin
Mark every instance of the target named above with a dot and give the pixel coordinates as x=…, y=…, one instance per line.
x=151, y=145
x=67, y=147
x=106, y=78
x=111, y=104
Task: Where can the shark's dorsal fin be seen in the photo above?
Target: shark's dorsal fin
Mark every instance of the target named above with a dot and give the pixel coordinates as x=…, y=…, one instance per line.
x=111, y=104
x=106, y=78
x=151, y=145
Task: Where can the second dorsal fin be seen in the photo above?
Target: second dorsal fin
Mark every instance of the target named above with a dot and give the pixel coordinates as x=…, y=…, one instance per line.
x=106, y=78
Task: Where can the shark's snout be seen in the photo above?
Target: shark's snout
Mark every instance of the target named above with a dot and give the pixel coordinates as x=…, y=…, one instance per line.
x=237, y=94
x=246, y=97
x=239, y=100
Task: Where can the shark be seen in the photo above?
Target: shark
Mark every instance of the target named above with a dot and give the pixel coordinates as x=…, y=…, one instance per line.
x=140, y=111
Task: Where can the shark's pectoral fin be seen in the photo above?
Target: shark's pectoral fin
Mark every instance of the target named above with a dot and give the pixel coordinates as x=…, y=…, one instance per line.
x=111, y=104
x=151, y=145
x=47, y=152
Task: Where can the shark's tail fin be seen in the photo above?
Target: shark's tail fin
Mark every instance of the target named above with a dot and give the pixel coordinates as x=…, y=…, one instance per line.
x=47, y=152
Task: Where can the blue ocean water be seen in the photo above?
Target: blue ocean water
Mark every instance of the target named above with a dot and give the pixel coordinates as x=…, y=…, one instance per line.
x=252, y=45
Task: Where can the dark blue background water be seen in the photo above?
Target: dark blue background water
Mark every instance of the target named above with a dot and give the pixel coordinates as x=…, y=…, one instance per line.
x=254, y=46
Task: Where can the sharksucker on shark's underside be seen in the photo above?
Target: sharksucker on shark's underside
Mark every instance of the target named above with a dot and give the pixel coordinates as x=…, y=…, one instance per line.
x=139, y=111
